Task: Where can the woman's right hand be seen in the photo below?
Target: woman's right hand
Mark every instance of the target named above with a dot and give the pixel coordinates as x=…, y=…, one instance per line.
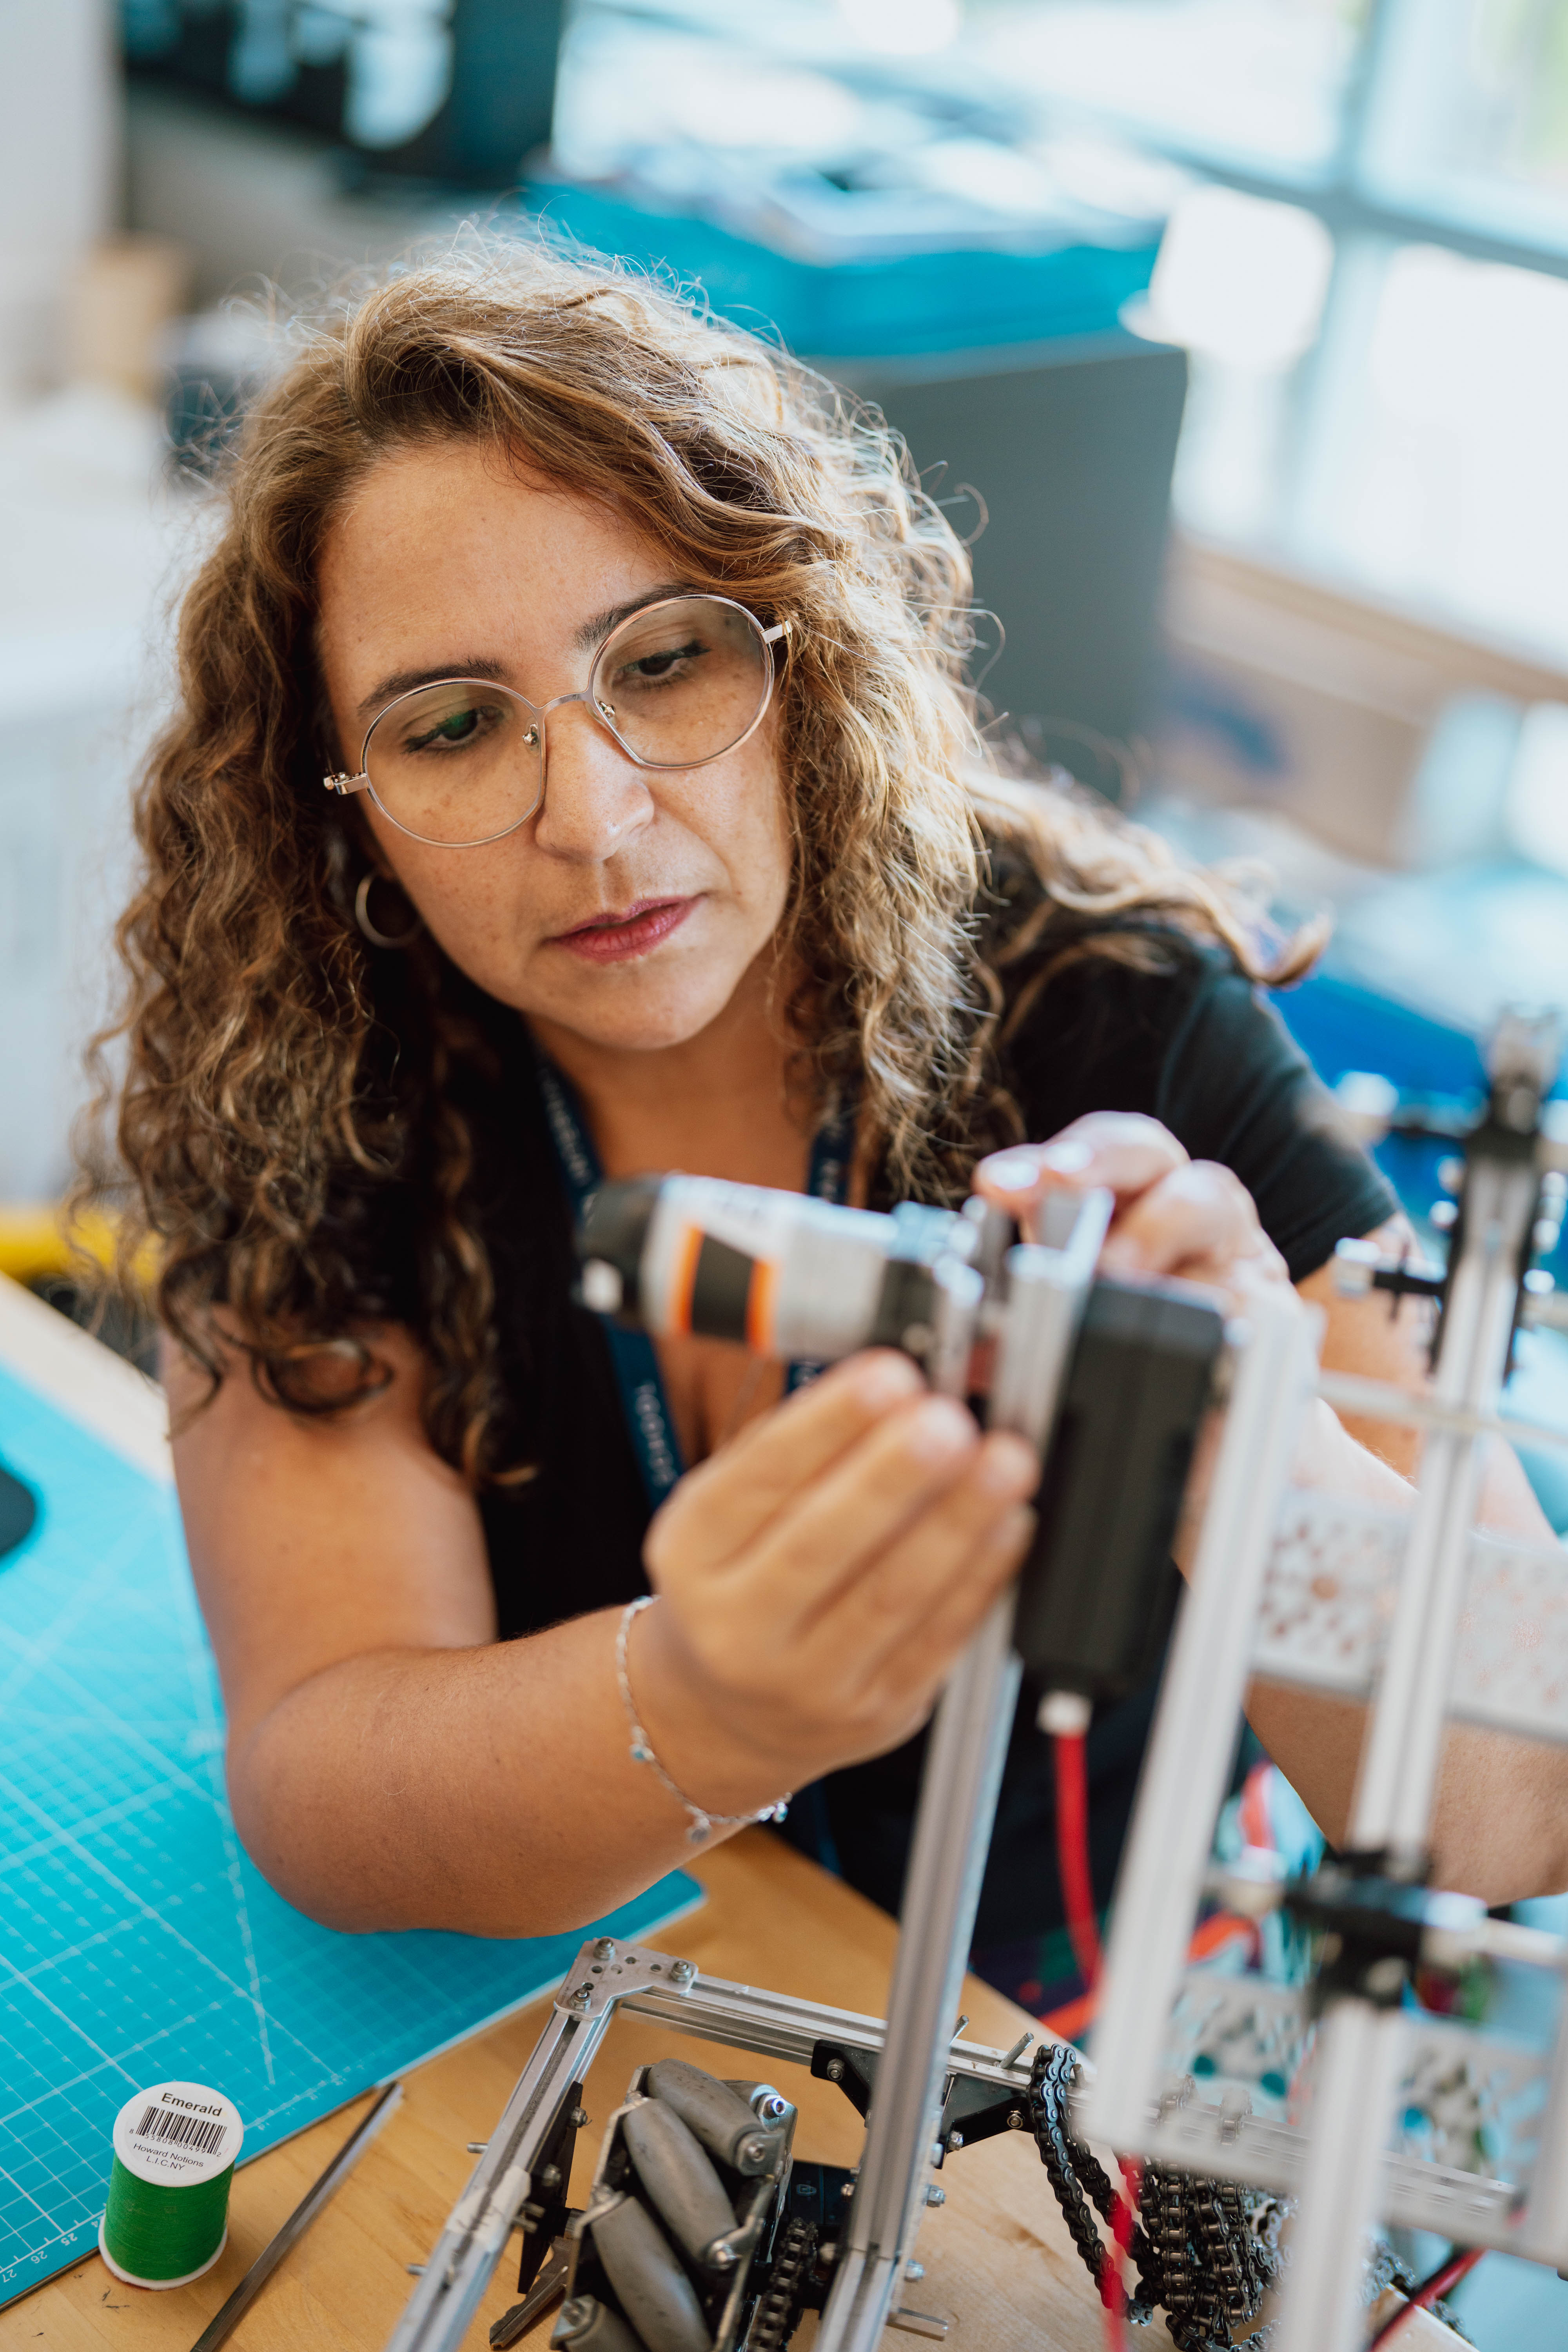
x=817, y=1579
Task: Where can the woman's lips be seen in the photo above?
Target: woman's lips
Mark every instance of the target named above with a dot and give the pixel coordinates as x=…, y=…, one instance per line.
x=611, y=939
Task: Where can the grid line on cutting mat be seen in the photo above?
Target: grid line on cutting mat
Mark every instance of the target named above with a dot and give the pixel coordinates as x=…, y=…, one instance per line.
x=138, y=1942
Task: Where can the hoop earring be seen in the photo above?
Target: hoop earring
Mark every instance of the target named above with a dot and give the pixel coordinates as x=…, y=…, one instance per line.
x=367, y=929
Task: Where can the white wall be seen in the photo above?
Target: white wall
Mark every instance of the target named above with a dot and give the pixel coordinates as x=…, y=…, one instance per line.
x=59, y=171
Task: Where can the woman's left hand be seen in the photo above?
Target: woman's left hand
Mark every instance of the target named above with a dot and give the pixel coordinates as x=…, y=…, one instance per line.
x=1189, y=1219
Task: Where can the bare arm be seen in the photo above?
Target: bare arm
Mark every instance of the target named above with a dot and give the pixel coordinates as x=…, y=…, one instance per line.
x=391, y=1764
x=1501, y=1824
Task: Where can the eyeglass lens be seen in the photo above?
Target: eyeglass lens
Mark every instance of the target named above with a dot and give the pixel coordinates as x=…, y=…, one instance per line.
x=461, y=762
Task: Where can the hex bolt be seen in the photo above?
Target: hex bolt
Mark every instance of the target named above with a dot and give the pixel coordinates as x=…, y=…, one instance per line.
x=682, y=1971
x=954, y=2142
x=577, y=2117
x=1016, y=2120
x=848, y=2189
x=605, y=1949
x=914, y=2270
x=935, y=2196
x=579, y=1998
x=773, y=2109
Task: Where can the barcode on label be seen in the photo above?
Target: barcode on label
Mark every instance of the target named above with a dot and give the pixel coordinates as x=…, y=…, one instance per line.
x=182, y=2131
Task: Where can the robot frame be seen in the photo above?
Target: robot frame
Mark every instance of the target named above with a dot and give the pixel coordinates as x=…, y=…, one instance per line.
x=1392, y=2109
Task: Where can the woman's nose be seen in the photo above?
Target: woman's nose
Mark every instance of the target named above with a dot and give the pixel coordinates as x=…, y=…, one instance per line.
x=595, y=799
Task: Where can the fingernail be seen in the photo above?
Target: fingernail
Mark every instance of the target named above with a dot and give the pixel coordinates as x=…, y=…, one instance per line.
x=1008, y=1466
x=1066, y=1159
x=1013, y=1172
x=939, y=1431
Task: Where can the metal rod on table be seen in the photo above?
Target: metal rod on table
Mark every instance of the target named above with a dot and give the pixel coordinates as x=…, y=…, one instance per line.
x=220, y=2325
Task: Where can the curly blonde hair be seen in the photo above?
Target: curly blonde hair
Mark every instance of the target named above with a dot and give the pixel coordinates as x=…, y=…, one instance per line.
x=279, y=1078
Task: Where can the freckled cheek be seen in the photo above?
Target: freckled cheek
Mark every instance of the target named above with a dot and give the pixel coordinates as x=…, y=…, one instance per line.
x=739, y=813
x=468, y=898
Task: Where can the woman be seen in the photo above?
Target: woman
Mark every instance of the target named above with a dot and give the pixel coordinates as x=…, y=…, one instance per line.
x=657, y=834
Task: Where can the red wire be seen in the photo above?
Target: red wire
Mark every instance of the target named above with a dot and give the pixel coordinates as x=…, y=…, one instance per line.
x=1447, y=2274
x=1072, y=1853
x=1083, y=1931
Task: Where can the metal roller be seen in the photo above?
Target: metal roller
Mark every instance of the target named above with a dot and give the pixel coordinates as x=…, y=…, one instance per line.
x=680, y=2181
x=585, y=2325
x=650, y=2284
x=769, y=2106
x=720, y=2118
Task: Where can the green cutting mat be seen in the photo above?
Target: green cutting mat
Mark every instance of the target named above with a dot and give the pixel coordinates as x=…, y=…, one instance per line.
x=137, y=1941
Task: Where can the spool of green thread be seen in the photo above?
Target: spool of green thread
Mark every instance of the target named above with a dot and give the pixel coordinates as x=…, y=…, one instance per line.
x=166, y=2221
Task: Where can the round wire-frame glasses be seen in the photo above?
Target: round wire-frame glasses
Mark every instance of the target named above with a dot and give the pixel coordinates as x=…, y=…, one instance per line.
x=460, y=761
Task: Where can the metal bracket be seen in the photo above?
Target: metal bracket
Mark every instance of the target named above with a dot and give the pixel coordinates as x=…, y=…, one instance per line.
x=605, y=1972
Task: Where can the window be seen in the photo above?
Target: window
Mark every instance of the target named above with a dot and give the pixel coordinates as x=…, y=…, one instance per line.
x=1370, y=269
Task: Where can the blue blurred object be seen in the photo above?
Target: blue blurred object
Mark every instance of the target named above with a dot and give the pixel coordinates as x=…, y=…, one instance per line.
x=1341, y=1027
x=865, y=305
x=456, y=93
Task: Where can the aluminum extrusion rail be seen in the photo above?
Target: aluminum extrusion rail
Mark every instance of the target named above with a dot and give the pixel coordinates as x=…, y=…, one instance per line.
x=604, y=1977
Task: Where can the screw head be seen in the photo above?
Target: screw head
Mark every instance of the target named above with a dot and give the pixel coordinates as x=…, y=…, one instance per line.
x=579, y=1998
x=914, y=2270
x=1016, y=2121
x=935, y=2196
x=835, y=2069
x=753, y=2148
x=721, y=2257
x=605, y=1949
x=954, y=2141
x=772, y=2108
x=682, y=1971
x=577, y=2117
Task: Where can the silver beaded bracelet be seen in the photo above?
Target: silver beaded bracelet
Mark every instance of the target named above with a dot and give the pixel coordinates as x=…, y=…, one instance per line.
x=703, y=1823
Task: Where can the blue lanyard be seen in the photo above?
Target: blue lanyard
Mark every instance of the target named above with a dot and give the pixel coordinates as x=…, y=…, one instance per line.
x=641, y=1383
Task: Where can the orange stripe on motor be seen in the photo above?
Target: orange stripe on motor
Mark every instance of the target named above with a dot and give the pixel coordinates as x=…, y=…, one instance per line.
x=685, y=1278
x=761, y=1296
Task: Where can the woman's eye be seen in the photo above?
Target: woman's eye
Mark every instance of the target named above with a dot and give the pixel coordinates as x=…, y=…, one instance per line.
x=457, y=727
x=651, y=669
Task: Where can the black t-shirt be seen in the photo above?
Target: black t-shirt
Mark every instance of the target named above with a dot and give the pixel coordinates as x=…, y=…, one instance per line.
x=1192, y=1044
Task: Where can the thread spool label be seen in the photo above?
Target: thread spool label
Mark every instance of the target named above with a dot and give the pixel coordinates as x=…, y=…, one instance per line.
x=177, y=2134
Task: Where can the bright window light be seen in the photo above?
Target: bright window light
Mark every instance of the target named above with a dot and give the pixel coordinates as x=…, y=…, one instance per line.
x=1241, y=280
x=1537, y=812
x=904, y=28
x=1441, y=477
x=1260, y=79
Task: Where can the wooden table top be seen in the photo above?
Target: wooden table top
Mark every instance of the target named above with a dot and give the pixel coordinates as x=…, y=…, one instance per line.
x=998, y=2261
